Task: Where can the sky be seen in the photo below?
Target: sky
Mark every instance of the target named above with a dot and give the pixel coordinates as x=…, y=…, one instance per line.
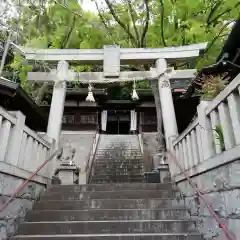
x=88, y=5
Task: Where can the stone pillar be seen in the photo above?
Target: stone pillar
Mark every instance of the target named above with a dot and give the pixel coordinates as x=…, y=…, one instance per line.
x=58, y=101
x=168, y=111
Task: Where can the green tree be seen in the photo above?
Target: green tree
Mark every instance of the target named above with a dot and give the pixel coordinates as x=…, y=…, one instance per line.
x=50, y=24
x=158, y=23
x=129, y=23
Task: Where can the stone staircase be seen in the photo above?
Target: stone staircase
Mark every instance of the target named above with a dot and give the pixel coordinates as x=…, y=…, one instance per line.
x=118, y=159
x=119, y=211
x=111, y=211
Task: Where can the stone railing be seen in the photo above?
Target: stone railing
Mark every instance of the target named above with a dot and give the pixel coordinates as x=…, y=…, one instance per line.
x=89, y=164
x=22, y=150
x=213, y=138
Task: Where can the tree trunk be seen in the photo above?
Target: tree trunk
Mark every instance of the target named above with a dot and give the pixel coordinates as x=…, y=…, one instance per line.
x=41, y=92
x=160, y=136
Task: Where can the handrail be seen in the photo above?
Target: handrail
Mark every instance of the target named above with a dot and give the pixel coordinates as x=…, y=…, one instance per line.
x=55, y=153
x=91, y=152
x=92, y=156
x=223, y=226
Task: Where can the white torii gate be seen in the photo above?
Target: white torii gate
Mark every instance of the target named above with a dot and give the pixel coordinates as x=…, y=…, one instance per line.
x=112, y=57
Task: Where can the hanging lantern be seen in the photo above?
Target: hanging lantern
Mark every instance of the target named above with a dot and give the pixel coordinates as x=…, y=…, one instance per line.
x=134, y=92
x=90, y=97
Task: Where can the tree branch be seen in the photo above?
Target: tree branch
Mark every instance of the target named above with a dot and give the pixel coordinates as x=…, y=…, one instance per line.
x=117, y=19
x=221, y=14
x=213, y=10
x=41, y=92
x=134, y=22
x=69, y=33
x=146, y=25
x=216, y=37
x=60, y=4
x=162, y=26
x=102, y=18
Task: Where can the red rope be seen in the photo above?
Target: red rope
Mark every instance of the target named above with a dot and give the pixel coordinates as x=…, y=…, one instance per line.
x=214, y=215
x=26, y=182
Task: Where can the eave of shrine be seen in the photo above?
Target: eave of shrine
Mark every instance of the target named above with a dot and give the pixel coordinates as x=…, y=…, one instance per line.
x=228, y=61
x=14, y=98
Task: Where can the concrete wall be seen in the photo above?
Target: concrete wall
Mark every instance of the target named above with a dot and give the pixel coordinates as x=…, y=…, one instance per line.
x=82, y=141
x=150, y=147
x=150, y=142
x=16, y=211
x=221, y=188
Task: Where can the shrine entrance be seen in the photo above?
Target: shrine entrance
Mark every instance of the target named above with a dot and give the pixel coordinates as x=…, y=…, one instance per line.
x=118, y=122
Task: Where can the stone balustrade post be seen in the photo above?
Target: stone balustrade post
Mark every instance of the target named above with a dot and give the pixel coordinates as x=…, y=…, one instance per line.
x=206, y=131
x=15, y=139
x=4, y=135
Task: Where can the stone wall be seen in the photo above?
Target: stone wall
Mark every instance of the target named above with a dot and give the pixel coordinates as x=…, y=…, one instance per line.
x=221, y=188
x=16, y=211
x=82, y=141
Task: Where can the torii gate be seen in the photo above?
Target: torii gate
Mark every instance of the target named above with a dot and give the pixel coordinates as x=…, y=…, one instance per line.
x=112, y=57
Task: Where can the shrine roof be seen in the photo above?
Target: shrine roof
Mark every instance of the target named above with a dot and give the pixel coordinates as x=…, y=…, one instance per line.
x=14, y=98
x=228, y=60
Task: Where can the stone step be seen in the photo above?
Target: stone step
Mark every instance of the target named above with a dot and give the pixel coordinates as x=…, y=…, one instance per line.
x=115, y=170
x=117, y=158
x=122, y=140
x=118, y=144
x=119, y=194
x=101, y=227
x=133, y=236
x=110, y=171
x=119, y=173
x=117, y=166
x=109, y=204
x=107, y=214
x=125, y=149
x=119, y=152
x=111, y=164
x=119, y=136
x=97, y=180
x=120, y=177
x=131, y=162
x=110, y=187
x=111, y=179
x=109, y=144
x=156, y=236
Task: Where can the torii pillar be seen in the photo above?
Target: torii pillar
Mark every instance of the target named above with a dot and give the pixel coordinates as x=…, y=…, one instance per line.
x=166, y=99
x=57, y=103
